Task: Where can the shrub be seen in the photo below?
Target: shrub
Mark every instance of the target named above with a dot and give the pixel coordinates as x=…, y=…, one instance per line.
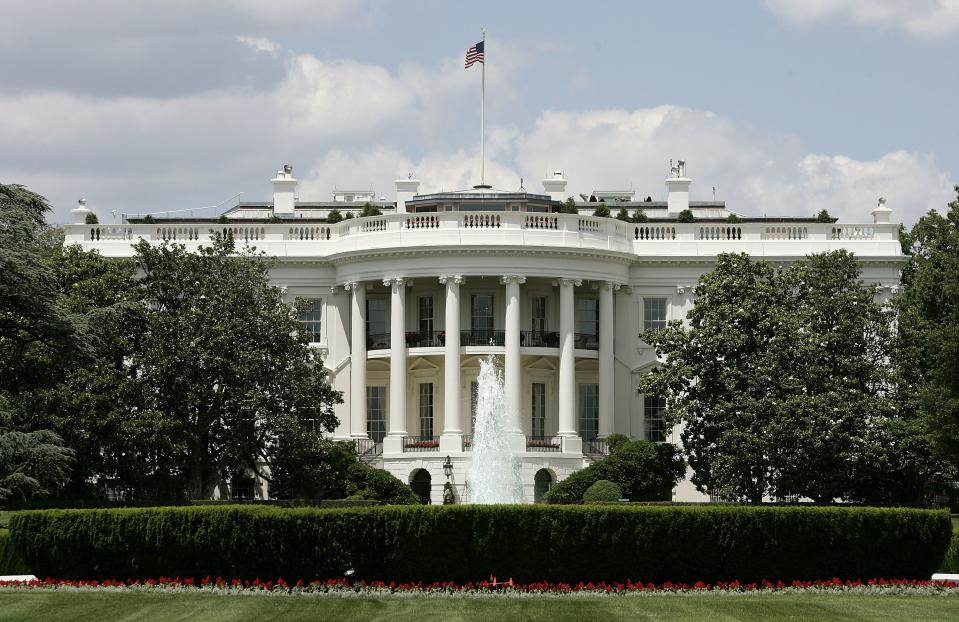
x=568, y=207
x=334, y=216
x=602, y=490
x=645, y=471
x=823, y=216
x=222, y=219
x=640, y=216
x=615, y=440
x=601, y=211
x=733, y=218
x=951, y=561
x=10, y=560
x=274, y=219
x=686, y=216
x=623, y=215
x=148, y=219
x=467, y=543
x=91, y=219
x=367, y=483
x=370, y=210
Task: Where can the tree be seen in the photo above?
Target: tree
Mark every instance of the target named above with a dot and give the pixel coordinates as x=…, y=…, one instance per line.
x=334, y=216
x=733, y=218
x=781, y=380
x=308, y=466
x=686, y=216
x=643, y=470
x=928, y=327
x=823, y=216
x=38, y=337
x=601, y=211
x=639, y=216
x=91, y=219
x=568, y=207
x=623, y=215
x=32, y=464
x=370, y=210
x=223, y=356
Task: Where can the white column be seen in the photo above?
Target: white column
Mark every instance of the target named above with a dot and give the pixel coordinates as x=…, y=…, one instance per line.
x=606, y=363
x=451, y=389
x=357, y=360
x=567, y=362
x=397, y=356
x=513, y=376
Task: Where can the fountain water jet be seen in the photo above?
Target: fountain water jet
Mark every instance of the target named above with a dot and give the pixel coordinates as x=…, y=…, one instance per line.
x=494, y=475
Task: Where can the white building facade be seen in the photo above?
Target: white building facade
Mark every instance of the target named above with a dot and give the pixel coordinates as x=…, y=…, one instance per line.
x=404, y=305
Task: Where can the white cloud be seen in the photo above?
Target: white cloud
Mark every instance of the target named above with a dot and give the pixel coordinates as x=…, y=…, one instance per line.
x=928, y=19
x=260, y=44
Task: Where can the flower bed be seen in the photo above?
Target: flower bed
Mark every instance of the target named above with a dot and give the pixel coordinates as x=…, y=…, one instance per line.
x=344, y=587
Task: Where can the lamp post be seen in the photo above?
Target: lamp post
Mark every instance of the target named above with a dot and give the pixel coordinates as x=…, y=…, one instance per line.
x=449, y=496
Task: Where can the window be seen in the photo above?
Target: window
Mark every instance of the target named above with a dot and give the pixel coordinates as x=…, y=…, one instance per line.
x=654, y=313
x=539, y=315
x=426, y=317
x=538, y=427
x=587, y=316
x=474, y=397
x=376, y=413
x=653, y=415
x=588, y=411
x=376, y=334
x=310, y=318
x=426, y=411
x=482, y=316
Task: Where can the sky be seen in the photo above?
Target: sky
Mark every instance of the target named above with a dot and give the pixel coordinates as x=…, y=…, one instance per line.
x=780, y=107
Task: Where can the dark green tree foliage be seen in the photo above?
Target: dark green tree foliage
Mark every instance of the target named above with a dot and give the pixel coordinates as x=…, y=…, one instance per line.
x=928, y=326
x=781, y=379
x=367, y=483
x=601, y=211
x=334, y=216
x=224, y=358
x=823, y=216
x=686, y=216
x=32, y=464
x=37, y=336
x=468, y=543
x=733, y=218
x=644, y=471
x=623, y=214
x=639, y=216
x=602, y=491
x=307, y=466
x=370, y=210
x=568, y=207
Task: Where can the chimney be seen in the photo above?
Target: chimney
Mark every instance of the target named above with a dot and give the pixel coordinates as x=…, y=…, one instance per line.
x=406, y=189
x=881, y=214
x=677, y=188
x=284, y=187
x=555, y=187
x=80, y=212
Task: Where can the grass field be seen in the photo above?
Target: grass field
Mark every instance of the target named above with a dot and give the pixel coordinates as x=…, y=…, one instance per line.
x=67, y=606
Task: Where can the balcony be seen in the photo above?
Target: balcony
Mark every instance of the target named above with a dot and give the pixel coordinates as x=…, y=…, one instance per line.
x=585, y=341
x=417, y=444
x=435, y=339
x=482, y=337
x=379, y=341
x=539, y=339
x=538, y=444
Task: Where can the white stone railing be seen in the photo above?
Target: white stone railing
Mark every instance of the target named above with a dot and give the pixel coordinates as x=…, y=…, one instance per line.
x=498, y=228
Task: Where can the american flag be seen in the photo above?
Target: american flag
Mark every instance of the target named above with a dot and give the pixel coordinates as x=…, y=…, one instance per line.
x=475, y=54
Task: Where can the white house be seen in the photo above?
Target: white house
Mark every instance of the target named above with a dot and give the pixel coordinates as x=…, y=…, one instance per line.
x=405, y=304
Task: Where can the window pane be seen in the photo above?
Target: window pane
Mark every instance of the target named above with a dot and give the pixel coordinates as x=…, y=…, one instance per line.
x=310, y=319
x=587, y=316
x=539, y=314
x=654, y=313
x=482, y=313
x=426, y=317
x=376, y=316
x=426, y=411
x=655, y=424
x=538, y=427
x=376, y=413
x=588, y=411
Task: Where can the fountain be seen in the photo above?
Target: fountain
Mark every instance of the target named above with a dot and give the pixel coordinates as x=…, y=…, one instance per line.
x=494, y=475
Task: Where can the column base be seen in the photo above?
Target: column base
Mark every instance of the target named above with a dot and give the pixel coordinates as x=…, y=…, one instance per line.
x=572, y=445
x=451, y=442
x=393, y=444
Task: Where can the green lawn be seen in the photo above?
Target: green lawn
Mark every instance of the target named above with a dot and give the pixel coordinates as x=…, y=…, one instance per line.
x=66, y=606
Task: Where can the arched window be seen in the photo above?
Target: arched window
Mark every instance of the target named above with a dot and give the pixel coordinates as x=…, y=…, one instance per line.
x=422, y=483
x=542, y=482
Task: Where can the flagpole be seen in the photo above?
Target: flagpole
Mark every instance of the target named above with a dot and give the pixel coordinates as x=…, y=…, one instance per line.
x=483, y=118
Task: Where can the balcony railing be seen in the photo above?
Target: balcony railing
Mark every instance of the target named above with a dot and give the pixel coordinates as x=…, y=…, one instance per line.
x=435, y=339
x=586, y=341
x=596, y=447
x=378, y=341
x=467, y=442
x=539, y=339
x=368, y=449
x=544, y=443
x=412, y=444
x=482, y=337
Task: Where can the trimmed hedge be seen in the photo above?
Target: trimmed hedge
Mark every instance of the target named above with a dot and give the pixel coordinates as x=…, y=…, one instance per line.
x=602, y=490
x=468, y=543
x=10, y=560
x=951, y=561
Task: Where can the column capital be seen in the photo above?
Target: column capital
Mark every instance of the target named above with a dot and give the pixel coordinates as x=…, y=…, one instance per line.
x=683, y=289
x=567, y=282
x=512, y=278
x=351, y=285
x=602, y=285
x=458, y=279
x=395, y=281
